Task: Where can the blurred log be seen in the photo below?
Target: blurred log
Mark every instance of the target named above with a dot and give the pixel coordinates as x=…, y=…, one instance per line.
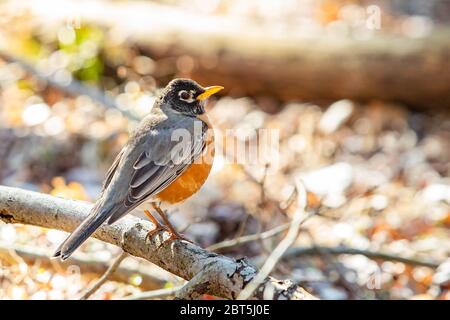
x=249, y=60
x=87, y=264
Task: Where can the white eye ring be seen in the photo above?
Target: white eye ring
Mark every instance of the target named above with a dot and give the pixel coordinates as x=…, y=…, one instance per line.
x=187, y=96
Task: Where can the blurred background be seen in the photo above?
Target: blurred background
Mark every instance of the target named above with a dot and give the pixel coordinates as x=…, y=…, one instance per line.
x=360, y=91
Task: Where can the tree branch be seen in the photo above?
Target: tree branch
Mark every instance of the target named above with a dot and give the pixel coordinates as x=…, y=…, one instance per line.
x=281, y=248
x=111, y=270
x=227, y=277
x=249, y=238
x=301, y=251
x=154, y=294
x=150, y=279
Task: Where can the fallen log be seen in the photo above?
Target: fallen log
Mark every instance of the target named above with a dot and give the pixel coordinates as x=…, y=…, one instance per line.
x=251, y=60
x=150, y=279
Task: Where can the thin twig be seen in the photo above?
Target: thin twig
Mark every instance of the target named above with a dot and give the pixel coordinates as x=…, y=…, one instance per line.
x=105, y=276
x=262, y=182
x=334, y=265
x=276, y=255
x=299, y=251
x=264, y=198
x=242, y=225
x=227, y=278
x=249, y=238
x=285, y=206
x=86, y=263
x=160, y=293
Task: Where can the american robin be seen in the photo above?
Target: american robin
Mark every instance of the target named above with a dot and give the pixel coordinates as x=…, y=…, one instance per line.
x=166, y=160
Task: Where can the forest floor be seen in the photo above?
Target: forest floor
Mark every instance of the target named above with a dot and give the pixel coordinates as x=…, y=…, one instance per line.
x=377, y=176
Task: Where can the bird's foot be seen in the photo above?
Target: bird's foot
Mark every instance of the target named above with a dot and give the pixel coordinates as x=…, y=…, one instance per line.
x=174, y=236
x=158, y=228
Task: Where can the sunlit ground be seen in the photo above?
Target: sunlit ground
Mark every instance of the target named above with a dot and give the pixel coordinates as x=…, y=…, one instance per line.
x=376, y=172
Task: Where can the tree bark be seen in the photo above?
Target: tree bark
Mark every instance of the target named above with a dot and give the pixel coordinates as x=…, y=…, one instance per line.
x=211, y=273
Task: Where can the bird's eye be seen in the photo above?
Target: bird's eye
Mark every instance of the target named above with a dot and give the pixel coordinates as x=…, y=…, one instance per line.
x=184, y=95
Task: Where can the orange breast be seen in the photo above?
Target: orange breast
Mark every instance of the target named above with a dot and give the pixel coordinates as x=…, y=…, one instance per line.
x=194, y=177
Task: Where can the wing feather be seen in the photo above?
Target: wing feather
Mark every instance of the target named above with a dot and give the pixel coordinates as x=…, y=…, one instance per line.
x=151, y=174
x=112, y=170
x=143, y=174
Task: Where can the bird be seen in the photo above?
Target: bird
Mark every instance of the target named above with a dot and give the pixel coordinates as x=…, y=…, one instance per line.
x=167, y=159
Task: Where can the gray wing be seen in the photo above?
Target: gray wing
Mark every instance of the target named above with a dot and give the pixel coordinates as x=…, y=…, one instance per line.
x=144, y=167
x=157, y=167
x=112, y=170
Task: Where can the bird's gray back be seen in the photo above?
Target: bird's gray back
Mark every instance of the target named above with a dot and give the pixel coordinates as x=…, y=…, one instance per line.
x=155, y=136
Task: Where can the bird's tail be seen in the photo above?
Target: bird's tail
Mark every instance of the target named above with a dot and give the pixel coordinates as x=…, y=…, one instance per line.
x=97, y=216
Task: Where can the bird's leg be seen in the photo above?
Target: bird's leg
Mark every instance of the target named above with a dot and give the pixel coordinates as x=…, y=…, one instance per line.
x=174, y=233
x=158, y=226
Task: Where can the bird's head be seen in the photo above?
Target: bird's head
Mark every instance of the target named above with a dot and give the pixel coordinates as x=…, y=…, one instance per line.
x=186, y=96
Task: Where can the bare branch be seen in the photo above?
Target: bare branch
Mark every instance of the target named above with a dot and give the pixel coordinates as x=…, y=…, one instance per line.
x=154, y=294
x=249, y=238
x=276, y=255
x=313, y=250
x=105, y=276
x=150, y=279
x=228, y=276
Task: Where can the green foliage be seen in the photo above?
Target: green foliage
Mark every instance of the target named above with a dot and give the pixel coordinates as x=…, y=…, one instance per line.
x=83, y=46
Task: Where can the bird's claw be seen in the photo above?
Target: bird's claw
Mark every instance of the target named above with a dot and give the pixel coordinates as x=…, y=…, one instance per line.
x=158, y=228
x=174, y=236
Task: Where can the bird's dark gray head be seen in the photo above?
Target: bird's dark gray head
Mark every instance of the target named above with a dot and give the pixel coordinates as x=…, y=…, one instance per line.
x=187, y=96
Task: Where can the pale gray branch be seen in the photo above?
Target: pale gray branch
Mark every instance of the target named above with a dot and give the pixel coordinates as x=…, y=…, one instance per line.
x=249, y=238
x=105, y=277
x=275, y=256
x=302, y=251
x=160, y=293
x=178, y=257
x=151, y=277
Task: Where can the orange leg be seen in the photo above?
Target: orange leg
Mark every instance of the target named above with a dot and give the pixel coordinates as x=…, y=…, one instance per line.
x=174, y=233
x=158, y=226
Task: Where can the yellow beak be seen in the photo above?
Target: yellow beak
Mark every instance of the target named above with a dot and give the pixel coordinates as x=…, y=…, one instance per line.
x=209, y=91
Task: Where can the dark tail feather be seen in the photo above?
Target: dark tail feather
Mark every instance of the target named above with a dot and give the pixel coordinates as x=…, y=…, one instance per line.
x=84, y=231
